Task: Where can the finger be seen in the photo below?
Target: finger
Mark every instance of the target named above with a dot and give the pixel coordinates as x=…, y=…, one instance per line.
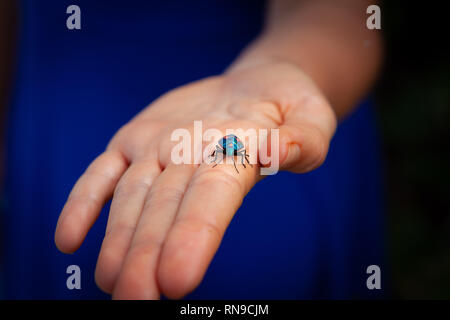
x=305, y=135
x=137, y=278
x=126, y=207
x=212, y=198
x=86, y=200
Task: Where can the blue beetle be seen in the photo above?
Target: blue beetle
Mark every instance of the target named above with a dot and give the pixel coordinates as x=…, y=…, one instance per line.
x=230, y=145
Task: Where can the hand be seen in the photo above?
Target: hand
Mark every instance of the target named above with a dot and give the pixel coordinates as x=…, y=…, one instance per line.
x=166, y=220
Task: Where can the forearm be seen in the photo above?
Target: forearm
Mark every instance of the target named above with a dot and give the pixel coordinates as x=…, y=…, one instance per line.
x=328, y=40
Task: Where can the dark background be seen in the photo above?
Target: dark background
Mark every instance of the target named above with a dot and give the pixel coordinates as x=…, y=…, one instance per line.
x=413, y=99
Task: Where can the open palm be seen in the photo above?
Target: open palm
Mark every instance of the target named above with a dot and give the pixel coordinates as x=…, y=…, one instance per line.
x=167, y=220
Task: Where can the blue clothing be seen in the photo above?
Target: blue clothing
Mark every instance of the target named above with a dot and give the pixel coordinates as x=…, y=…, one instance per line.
x=295, y=236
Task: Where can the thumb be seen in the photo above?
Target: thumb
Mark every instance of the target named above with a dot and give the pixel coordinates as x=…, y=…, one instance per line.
x=305, y=135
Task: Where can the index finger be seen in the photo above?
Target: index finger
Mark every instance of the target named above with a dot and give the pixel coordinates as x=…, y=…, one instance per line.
x=210, y=202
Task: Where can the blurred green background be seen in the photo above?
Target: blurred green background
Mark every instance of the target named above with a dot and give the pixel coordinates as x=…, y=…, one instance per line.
x=413, y=99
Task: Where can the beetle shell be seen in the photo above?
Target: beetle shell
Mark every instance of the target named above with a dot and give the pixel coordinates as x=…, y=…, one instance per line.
x=230, y=143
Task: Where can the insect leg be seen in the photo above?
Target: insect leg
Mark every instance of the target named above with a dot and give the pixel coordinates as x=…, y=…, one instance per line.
x=242, y=158
x=234, y=162
x=245, y=156
x=215, y=154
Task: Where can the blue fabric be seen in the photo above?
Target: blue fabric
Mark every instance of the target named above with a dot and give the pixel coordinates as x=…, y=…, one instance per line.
x=296, y=236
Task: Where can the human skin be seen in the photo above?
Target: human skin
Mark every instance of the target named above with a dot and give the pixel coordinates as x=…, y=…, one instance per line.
x=312, y=63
